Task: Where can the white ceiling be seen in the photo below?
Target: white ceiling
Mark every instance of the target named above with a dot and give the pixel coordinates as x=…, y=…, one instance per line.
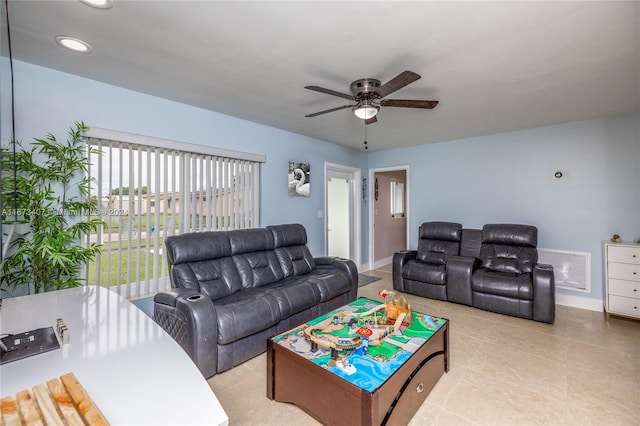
x=494, y=66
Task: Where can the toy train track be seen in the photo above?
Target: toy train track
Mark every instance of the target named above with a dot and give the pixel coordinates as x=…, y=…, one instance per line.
x=375, y=332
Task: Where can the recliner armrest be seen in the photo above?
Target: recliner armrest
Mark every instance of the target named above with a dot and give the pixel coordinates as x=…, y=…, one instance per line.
x=347, y=266
x=190, y=318
x=544, y=293
x=399, y=259
x=459, y=270
x=170, y=297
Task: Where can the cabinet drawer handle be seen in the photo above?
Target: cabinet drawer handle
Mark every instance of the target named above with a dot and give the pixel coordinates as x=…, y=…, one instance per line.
x=420, y=388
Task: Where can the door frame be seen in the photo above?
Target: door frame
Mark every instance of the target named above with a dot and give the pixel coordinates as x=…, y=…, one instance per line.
x=372, y=237
x=355, y=188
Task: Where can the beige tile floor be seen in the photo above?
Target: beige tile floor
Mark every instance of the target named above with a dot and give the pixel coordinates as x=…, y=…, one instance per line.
x=582, y=370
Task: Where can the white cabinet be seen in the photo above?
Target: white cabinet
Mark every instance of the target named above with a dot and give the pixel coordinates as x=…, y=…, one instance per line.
x=621, y=279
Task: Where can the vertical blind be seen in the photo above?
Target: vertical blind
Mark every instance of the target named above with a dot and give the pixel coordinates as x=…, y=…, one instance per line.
x=147, y=191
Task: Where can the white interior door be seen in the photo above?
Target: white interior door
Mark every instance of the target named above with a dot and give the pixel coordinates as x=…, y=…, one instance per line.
x=338, y=217
x=342, y=211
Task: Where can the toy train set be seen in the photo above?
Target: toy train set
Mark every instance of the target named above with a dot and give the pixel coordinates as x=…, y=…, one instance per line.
x=365, y=341
x=367, y=328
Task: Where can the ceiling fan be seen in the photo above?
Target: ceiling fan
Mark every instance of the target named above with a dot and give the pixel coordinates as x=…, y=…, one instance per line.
x=368, y=94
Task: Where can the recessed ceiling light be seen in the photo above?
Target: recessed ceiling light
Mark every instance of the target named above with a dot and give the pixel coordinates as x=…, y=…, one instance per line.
x=73, y=44
x=100, y=4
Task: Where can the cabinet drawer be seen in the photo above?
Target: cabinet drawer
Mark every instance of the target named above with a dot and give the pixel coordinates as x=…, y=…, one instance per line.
x=624, y=305
x=624, y=288
x=623, y=271
x=624, y=254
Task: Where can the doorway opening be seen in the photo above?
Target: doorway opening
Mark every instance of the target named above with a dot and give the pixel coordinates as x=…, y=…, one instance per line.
x=388, y=214
x=342, y=212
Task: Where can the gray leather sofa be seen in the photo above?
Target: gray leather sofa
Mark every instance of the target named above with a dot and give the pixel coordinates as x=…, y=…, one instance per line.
x=232, y=290
x=496, y=269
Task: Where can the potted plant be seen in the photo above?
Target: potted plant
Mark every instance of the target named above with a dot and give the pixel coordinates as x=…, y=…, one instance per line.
x=47, y=213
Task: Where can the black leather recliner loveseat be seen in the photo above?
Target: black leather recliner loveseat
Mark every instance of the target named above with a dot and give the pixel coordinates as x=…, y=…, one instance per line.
x=495, y=269
x=232, y=290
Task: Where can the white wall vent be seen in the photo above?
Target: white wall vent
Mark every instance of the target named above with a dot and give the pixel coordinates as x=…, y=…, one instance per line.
x=571, y=269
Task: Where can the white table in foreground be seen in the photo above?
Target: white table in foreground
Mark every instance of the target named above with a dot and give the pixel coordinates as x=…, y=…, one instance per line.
x=132, y=369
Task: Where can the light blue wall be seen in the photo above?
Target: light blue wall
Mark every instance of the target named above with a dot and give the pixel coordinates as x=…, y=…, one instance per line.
x=51, y=101
x=508, y=178
x=498, y=178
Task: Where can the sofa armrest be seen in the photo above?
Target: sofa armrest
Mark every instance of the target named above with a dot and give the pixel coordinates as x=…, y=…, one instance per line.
x=190, y=318
x=459, y=271
x=399, y=259
x=346, y=266
x=544, y=293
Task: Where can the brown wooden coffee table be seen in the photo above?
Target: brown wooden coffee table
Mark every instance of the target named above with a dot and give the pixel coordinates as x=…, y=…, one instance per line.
x=385, y=384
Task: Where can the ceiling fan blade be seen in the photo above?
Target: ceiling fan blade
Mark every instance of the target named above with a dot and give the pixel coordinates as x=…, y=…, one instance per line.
x=408, y=103
x=329, y=110
x=370, y=120
x=397, y=83
x=330, y=92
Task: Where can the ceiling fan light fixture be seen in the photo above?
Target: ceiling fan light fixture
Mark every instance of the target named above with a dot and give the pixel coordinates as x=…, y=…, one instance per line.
x=74, y=44
x=98, y=4
x=366, y=111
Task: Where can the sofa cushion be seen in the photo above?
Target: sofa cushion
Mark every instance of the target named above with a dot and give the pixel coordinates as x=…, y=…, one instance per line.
x=294, y=294
x=518, y=286
x=436, y=252
x=330, y=283
x=292, y=234
x=244, y=313
x=425, y=272
x=215, y=278
x=445, y=231
x=437, y=241
x=470, y=242
x=258, y=268
x=508, y=259
x=250, y=240
x=295, y=260
x=197, y=246
x=510, y=234
x=290, y=247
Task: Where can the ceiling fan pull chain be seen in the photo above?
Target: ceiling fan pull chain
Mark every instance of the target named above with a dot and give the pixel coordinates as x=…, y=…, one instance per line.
x=365, y=136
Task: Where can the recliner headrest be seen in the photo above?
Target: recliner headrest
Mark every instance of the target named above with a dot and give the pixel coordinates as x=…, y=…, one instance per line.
x=197, y=246
x=292, y=234
x=250, y=240
x=510, y=234
x=446, y=231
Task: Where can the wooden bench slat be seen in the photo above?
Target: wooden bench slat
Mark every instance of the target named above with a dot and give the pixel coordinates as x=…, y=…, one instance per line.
x=47, y=405
x=65, y=403
x=88, y=409
x=10, y=416
x=29, y=409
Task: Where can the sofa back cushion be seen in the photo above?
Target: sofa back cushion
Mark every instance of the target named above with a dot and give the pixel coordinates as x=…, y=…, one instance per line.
x=509, y=248
x=254, y=257
x=291, y=249
x=438, y=241
x=201, y=261
x=470, y=242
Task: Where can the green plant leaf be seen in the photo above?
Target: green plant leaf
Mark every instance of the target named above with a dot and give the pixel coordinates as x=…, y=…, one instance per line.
x=42, y=199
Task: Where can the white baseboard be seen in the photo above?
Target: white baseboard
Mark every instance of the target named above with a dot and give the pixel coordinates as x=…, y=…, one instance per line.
x=383, y=262
x=579, y=302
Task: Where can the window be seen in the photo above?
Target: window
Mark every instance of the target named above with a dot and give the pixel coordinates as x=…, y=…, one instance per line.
x=397, y=199
x=147, y=189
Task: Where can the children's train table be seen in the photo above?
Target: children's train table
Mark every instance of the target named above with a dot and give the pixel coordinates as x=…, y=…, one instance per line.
x=366, y=363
